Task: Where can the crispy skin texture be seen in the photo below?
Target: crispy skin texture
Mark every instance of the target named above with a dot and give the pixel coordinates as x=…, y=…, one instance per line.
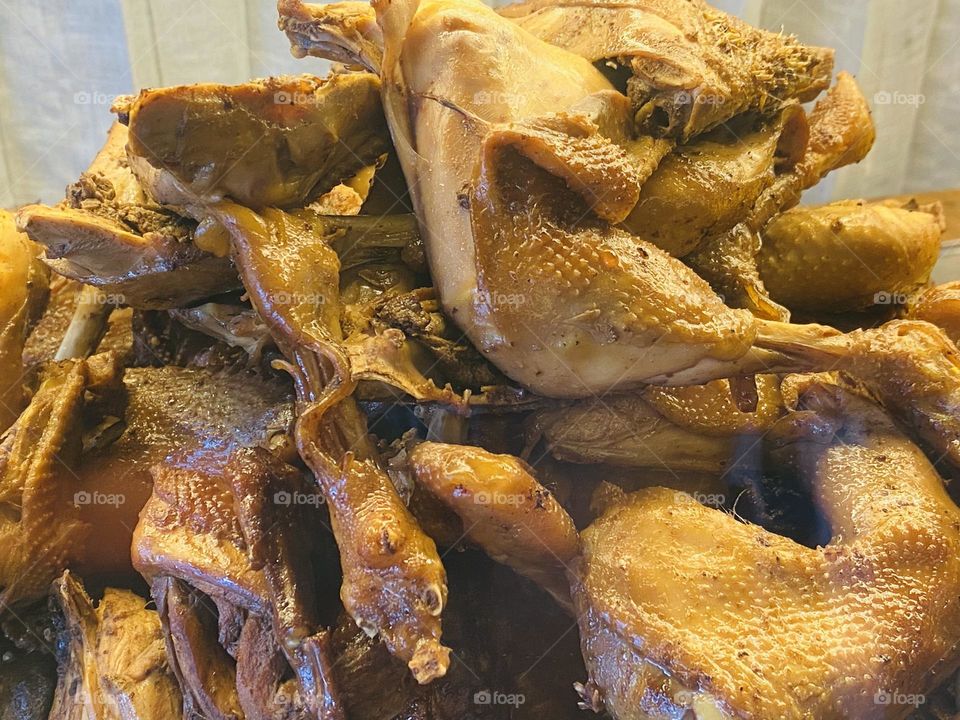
x=753, y=625
x=394, y=584
x=301, y=136
x=848, y=255
x=504, y=509
x=841, y=133
x=693, y=65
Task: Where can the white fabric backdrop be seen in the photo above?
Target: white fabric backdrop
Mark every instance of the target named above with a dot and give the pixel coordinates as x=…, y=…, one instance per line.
x=63, y=61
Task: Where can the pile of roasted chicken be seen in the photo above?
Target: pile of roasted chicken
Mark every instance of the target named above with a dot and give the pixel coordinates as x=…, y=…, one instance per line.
x=498, y=374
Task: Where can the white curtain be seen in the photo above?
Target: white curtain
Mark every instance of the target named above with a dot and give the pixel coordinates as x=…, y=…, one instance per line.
x=62, y=63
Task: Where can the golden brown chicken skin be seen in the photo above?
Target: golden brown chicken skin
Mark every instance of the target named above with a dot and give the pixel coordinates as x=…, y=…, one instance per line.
x=686, y=608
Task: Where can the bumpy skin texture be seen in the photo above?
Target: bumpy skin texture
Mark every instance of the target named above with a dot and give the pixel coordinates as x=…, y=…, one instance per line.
x=40, y=527
x=394, y=584
x=301, y=136
x=693, y=65
x=777, y=629
x=557, y=297
x=704, y=188
x=940, y=305
x=848, y=255
x=504, y=509
x=841, y=132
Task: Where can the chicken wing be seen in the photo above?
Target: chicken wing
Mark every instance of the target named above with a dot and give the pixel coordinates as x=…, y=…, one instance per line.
x=849, y=255
x=685, y=608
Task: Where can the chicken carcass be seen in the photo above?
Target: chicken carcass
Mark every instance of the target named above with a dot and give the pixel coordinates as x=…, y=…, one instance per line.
x=110, y=234
x=275, y=142
x=684, y=608
x=115, y=666
x=693, y=66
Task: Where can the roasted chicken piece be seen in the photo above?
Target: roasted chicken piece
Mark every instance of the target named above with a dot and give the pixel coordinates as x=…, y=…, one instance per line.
x=693, y=66
x=279, y=141
x=913, y=369
x=695, y=428
x=25, y=282
x=114, y=665
x=393, y=582
x=939, y=305
x=108, y=233
x=525, y=255
x=684, y=608
x=704, y=188
x=238, y=532
x=841, y=133
x=504, y=510
x=849, y=255
x=40, y=496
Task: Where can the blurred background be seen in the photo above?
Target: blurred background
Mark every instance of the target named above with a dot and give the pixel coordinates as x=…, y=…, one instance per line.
x=63, y=62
